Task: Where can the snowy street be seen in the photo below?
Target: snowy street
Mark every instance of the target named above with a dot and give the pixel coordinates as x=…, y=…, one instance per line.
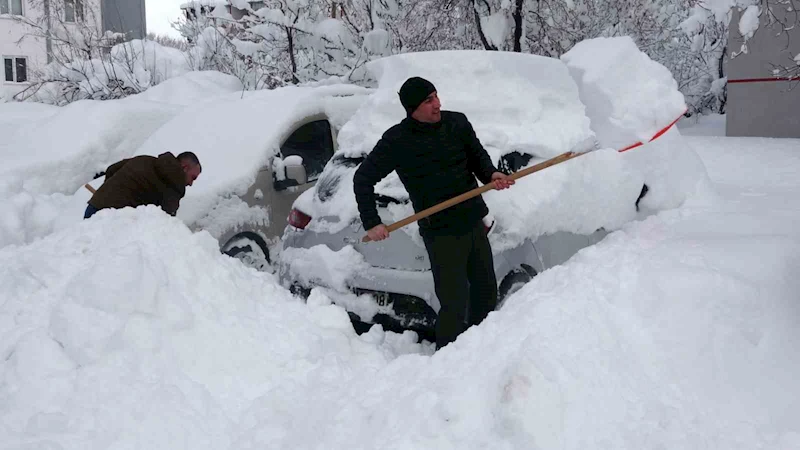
x=130, y=331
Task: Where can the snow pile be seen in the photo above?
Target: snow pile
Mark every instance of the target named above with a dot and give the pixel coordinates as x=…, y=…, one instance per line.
x=145, y=335
x=679, y=331
x=628, y=97
x=237, y=134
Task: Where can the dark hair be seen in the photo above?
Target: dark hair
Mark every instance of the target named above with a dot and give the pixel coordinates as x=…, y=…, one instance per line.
x=191, y=157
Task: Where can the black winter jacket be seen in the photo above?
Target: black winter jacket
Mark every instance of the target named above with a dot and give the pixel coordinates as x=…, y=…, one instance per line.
x=435, y=162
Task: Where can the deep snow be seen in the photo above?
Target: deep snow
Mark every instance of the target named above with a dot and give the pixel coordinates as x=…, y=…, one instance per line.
x=129, y=331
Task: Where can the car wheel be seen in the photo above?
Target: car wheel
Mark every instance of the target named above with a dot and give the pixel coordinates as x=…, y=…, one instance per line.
x=251, y=249
x=513, y=282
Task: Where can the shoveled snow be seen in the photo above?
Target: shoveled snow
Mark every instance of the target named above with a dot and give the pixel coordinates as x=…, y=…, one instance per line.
x=679, y=331
x=628, y=97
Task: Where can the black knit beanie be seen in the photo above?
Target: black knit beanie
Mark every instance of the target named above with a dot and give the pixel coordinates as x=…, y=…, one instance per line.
x=413, y=92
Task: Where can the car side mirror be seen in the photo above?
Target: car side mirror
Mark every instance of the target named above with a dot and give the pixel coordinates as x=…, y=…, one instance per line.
x=295, y=170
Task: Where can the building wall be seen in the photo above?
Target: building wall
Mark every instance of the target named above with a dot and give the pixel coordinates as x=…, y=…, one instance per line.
x=125, y=16
x=34, y=49
x=758, y=104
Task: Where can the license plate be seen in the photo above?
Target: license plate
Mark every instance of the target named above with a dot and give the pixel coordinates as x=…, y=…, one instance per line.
x=381, y=297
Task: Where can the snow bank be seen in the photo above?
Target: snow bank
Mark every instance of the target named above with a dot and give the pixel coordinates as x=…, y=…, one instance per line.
x=145, y=335
x=680, y=331
x=237, y=134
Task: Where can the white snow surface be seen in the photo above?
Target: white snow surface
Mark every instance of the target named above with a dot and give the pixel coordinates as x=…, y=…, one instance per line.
x=679, y=331
x=628, y=97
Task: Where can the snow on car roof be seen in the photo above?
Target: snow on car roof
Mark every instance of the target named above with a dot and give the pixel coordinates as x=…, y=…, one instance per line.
x=236, y=135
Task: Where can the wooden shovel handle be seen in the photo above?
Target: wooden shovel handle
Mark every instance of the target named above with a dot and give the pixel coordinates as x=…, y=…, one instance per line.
x=90, y=188
x=475, y=192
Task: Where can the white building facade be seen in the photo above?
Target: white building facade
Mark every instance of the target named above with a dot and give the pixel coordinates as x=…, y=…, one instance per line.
x=23, y=47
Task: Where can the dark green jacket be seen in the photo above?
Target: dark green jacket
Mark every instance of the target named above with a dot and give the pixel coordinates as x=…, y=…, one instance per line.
x=143, y=180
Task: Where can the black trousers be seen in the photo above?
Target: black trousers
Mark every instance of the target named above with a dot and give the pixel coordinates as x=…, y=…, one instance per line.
x=463, y=274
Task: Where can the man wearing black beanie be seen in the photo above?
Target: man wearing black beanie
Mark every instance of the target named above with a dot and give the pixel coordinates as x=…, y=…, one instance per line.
x=437, y=156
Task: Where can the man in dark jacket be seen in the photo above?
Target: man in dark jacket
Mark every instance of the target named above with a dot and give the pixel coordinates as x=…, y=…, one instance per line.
x=146, y=180
x=437, y=156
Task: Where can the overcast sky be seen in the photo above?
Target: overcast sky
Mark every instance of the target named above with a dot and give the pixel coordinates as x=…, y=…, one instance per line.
x=160, y=13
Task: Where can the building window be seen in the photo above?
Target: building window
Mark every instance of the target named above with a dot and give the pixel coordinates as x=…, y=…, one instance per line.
x=16, y=69
x=11, y=7
x=256, y=5
x=73, y=10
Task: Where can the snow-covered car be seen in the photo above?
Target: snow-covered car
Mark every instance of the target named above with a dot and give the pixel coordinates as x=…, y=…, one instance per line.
x=259, y=151
x=525, y=109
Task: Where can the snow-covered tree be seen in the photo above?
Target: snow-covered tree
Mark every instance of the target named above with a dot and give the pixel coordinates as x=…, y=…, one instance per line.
x=83, y=61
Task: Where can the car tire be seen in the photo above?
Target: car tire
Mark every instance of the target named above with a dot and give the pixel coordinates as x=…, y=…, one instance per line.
x=513, y=281
x=251, y=249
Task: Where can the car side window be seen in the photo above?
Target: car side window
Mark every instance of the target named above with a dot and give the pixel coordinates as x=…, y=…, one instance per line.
x=314, y=143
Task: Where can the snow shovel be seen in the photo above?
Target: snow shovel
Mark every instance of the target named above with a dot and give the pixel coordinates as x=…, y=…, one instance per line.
x=477, y=191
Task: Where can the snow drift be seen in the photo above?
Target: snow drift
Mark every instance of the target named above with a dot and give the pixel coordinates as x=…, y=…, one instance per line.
x=144, y=335
x=129, y=331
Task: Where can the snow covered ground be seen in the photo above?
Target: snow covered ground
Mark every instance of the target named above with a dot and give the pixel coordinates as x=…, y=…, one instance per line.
x=679, y=331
